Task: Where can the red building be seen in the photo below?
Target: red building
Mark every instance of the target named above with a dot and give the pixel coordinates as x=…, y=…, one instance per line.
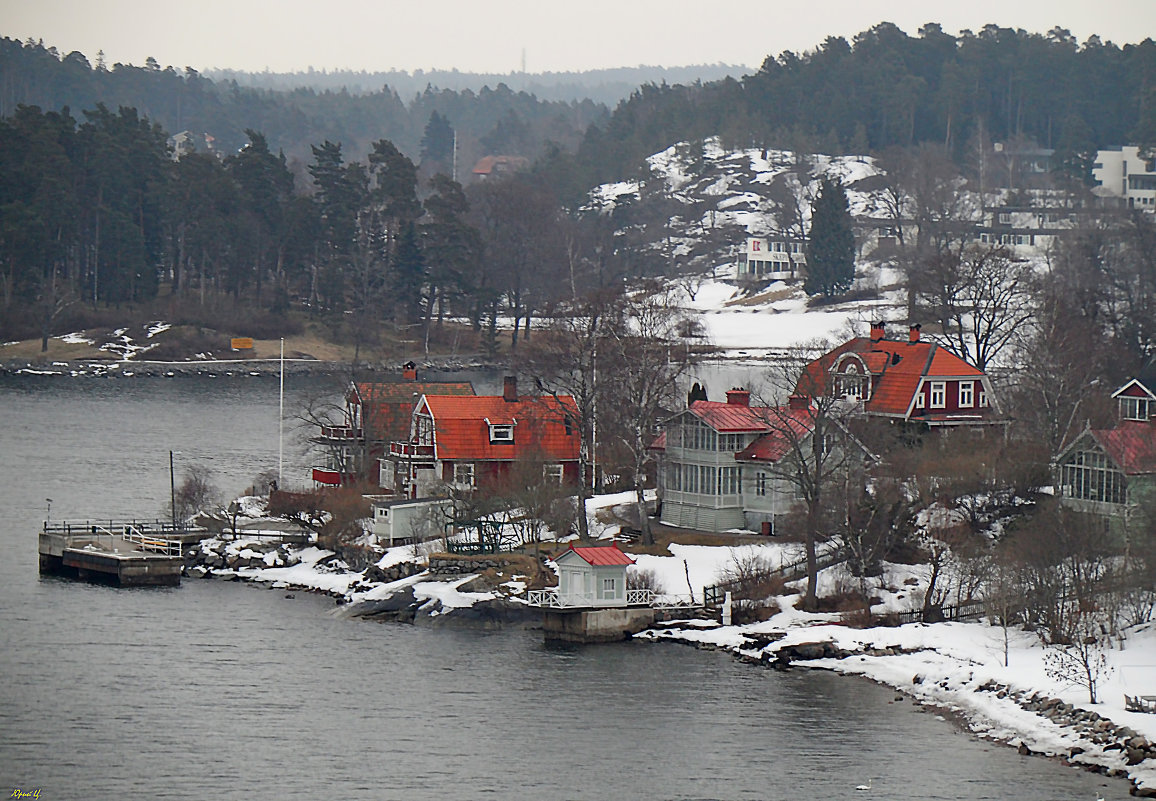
x=476, y=441
x=910, y=380
x=375, y=414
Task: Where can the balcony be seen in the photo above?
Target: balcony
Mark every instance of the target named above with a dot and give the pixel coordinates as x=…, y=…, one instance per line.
x=411, y=450
x=340, y=433
x=331, y=476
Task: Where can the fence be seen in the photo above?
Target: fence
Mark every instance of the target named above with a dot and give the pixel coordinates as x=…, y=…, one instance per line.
x=713, y=595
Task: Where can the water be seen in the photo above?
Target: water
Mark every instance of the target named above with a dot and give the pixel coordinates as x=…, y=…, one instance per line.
x=230, y=691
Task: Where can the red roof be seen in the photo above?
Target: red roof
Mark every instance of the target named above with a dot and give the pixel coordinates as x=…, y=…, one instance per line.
x=602, y=555
x=790, y=426
x=386, y=407
x=462, y=427
x=731, y=417
x=1131, y=445
x=897, y=369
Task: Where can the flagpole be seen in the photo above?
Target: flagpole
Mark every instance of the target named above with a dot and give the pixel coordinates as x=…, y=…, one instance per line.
x=281, y=417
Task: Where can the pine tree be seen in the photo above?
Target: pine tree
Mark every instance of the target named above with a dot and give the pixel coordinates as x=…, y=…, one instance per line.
x=831, y=249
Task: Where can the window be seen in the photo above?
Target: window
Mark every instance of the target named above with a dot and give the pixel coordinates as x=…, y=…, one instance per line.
x=760, y=483
x=731, y=443
x=938, y=394
x=1088, y=476
x=729, y=481
x=552, y=473
x=697, y=437
x=966, y=394
x=920, y=400
x=464, y=473
x=503, y=432
x=609, y=588
x=982, y=400
x=1133, y=408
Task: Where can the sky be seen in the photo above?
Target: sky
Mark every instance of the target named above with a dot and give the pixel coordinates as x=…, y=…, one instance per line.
x=495, y=36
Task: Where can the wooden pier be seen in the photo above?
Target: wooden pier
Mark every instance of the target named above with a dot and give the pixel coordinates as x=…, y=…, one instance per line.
x=127, y=553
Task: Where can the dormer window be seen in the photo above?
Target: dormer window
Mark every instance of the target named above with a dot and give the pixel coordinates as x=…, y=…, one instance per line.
x=1134, y=409
x=501, y=433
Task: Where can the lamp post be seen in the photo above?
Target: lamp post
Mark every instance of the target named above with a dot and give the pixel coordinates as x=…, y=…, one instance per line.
x=172, y=493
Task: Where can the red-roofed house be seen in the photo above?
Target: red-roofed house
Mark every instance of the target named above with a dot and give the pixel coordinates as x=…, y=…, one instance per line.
x=375, y=413
x=494, y=166
x=474, y=441
x=1111, y=472
x=912, y=381
x=715, y=463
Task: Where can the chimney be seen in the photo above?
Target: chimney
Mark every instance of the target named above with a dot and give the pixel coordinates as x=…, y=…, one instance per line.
x=798, y=403
x=739, y=397
x=409, y=371
x=877, y=332
x=913, y=334
x=510, y=389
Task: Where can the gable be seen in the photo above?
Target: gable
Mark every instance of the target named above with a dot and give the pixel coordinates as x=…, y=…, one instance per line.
x=1134, y=389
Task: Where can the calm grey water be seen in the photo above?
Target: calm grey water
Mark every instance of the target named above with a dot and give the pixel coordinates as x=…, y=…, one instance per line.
x=222, y=690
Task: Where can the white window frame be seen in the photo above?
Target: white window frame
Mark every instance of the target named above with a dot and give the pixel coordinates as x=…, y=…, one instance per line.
x=553, y=473
x=920, y=400
x=610, y=587
x=501, y=433
x=966, y=394
x=464, y=473
x=938, y=393
x=761, y=484
x=1132, y=408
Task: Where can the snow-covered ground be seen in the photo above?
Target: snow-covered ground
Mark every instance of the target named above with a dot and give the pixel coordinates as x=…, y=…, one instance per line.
x=778, y=318
x=956, y=666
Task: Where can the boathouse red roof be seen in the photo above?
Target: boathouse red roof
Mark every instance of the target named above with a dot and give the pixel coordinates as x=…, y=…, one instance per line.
x=602, y=555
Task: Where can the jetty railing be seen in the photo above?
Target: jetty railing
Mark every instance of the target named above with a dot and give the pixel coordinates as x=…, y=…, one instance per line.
x=157, y=536
x=550, y=598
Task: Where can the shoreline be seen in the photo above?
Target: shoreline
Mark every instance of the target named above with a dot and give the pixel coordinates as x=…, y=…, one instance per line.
x=130, y=368
x=922, y=662
x=1033, y=722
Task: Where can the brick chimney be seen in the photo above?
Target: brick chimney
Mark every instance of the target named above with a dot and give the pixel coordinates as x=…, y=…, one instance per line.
x=798, y=403
x=877, y=331
x=913, y=334
x=409, y=371
x=510, y=388
x=739, y=397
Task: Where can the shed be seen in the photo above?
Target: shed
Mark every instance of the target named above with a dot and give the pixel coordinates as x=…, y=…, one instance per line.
x=401, y=521
x=593, y=576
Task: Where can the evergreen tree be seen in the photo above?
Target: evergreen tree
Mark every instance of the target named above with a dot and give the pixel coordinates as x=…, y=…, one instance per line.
x=831, y=249
x=408, y=274
x=437, y=144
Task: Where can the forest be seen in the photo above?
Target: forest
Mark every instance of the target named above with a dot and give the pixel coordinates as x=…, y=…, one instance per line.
x=354, y=209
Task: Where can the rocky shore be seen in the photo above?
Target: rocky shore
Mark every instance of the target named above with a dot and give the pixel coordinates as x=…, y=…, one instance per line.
x=1031, y=721
x=404, y=591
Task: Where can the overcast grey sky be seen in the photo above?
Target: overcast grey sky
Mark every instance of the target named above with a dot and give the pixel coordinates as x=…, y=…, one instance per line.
x=491, y=35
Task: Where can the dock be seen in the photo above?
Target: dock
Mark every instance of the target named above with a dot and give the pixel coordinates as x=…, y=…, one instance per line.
x=127, y=553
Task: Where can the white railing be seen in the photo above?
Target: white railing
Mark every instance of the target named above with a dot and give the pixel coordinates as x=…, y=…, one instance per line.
x=149, y=542
x=551, y=599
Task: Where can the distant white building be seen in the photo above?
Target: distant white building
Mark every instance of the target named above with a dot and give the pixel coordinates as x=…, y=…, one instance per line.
x=771, y=258
x=1122, y=172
